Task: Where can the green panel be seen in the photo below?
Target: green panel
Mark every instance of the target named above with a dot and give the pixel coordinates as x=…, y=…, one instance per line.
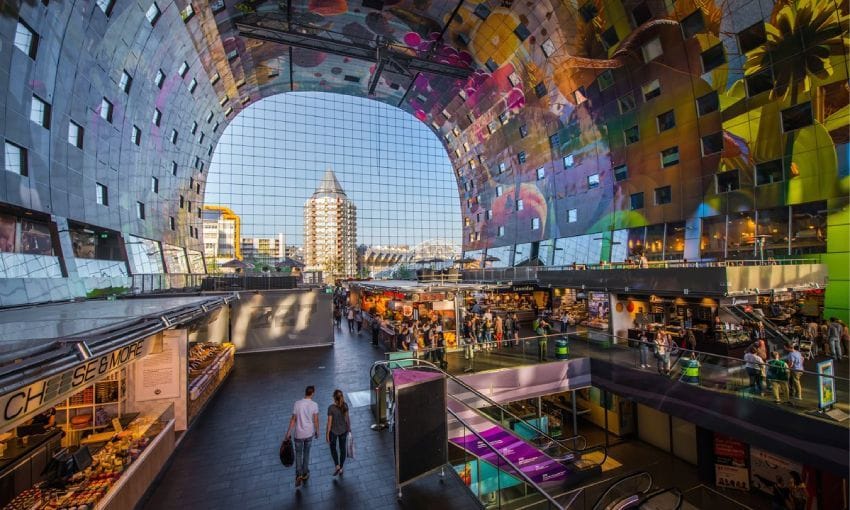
x=837, y=301
x=838, y=264
x=837, y=238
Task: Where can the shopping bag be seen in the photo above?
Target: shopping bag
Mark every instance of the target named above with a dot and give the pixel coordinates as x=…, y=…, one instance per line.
x=349, y=446
x=287, y=455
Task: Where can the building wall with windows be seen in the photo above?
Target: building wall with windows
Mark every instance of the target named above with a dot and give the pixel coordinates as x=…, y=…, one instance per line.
x=330, y=231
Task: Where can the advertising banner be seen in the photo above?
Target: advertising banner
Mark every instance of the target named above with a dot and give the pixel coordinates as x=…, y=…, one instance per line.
x=732, y=477
x=773, y=474
x=730, y=463
x=826, y=385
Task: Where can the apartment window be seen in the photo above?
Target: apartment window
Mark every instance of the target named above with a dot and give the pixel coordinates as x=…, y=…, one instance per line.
x=75, y=134
x=692, y=24
x=540, y=89
x=223, y=101
x=106, y=6
x=26, y=39
x=521, y=157
x=198, y=162
x=712, y=144
x=191, y=183
x=210, y=116
x=548, y=47
x=214, y=78
x=465, y=147
x=171, y=223
x=125, y=82
x=535, y=223
x=666, y=120
x=592, y=181
x=502, y=167
x=101, y=194
x=501, y=232
x=621, y=173
x=159, y=78
x=752, y=37
x=708, y=103
x=40, y=112
x=210, y=150
x=713, y=57
x=759, y=82
x=572, y=215
x=588, y=11
x=569, y=161
x=154, y=185
x=541, y=173
x=651, y=50
x=641, y=14
x=555, y=141
x=498, y=191
x=182, y=202
x=797, y=117
x=153, y=13
x=609, y=37
x=580, y=95
x=728, y=181
x=631, y=135
x=521, y=31
x=489, y=214
x=189, y=205
x=626, y=103
x=106, y=110
x=136, y=135
x=201, y=139
x=605, y=80
x=193, y=84
x=503, y=118
x=16, y=159
x=173, y=168
x=140, y=210
x=519, y=205
x=769, y=172
x=173, y=137
x=183, y=69
x=492, y=126
x=670, y=157
x=651, y=90
x=201, y=167
x=215, y=127
x=194, y=128
x=663, y=195
x=636, y=201
x=523, y=131
x=187, y=13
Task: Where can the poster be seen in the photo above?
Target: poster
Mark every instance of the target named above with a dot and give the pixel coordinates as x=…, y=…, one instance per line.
x=732, y=477
x=35, y=238
x=158, y=374
x=730, y=463
x=771, y=473
x=8, y=226
x=826, y=384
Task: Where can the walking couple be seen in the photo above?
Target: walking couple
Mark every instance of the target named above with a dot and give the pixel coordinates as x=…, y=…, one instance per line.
x=305, y=426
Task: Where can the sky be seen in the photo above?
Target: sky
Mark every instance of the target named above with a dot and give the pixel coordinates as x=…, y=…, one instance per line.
x=273, y=155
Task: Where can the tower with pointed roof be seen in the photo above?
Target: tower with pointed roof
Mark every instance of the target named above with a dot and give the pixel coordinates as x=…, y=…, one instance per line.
x=330, y=230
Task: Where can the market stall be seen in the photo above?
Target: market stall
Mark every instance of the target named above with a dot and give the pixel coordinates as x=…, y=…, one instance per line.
x=527, y=301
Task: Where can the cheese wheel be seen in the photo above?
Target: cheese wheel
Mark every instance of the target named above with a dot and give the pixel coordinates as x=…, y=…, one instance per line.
x=81, y=419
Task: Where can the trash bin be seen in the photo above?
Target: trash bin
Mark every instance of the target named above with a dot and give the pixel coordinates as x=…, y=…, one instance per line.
x=690, y=370
x=562, y=348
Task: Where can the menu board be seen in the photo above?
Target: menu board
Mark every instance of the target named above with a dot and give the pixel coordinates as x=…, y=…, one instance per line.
x=158, y=373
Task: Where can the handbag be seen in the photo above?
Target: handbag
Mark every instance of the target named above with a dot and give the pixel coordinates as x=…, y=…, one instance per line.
x=349, y=446
x=287, y=455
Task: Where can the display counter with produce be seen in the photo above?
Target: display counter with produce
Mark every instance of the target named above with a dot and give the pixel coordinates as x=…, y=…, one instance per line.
x=209, y=364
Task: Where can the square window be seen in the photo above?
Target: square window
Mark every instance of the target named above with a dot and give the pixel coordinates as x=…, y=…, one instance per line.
x=491, y=65
x=183, y=69
x=769, y=172
x=26, y=39
x=171, y=222
x=173, y=136
x=101, y=194
x=663, y=195
x=797, y=117
x=592, y=181
x=651, y=50
x=482, y=11
x=548, y=48
x=572, y=215
x=708, y=103
x=626, y=103
x=173, y=168
x=157, y=116
x=159, y=79
x=214, y=78
x=540, y=89
x=140, y=210
x=541, y=173
x=16, y=159
x=521, y=157
x=712, y=144
x=503, y=118
x=605, y=80
x=651, y=90
x=126, y=82
x=514, y=79
x=193, y=84
x=501, y=232
x=569, y=161
x=666, y=120
x=641, y=14
x=522, y=32
x=498, y=191
x=728, y=181
x=75, y=134
x=153, y=13
x=621, y=173
x=106, y=110
x=713, y=57
x=154, y=185
x=106, y=6
x=692, y=24
x=187, y=13
x=752, y=37
x=636, y=201
x=502, y=167
x=588, y=11
x=519, y=205
x=609, y=37
x=136, y=135
x=535, y=223
x=759, y=82
x=631, y=135
x=40, y=112
x=669, y=157
x=555, y=141
x=523, y=131
x=232, y=55
x=493, y=126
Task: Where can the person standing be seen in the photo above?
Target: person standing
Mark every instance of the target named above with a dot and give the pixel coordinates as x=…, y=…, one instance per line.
x=508, y=330
x=644, y=349
x=376, y=330
x=834, y=338
x=358, y=320
x=812, y=332
x=305, y=425
x=339, y=425
x=515, y=321
x=753, y=365
x=795, y=363
x=845, y=338
x=498, y=331
x=350, y=319
x=565, y=322
x=662, y=352
x=541, y=328
x=777, y=377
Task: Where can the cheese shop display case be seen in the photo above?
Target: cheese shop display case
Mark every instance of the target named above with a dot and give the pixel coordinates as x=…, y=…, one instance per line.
x=209, y=365
x=92, y=409
x=111, y=474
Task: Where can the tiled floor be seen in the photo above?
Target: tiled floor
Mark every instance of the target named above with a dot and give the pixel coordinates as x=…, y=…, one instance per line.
x=229, y=459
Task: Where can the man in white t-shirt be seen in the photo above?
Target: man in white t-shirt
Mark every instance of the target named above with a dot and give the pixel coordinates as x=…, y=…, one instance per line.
x=305, y=422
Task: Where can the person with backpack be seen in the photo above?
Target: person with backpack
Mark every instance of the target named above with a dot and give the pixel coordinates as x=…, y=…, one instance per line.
x=339, y=425
x=777, y=376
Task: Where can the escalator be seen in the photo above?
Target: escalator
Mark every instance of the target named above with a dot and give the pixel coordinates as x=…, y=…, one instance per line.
x=772, y=333
x=637, y=491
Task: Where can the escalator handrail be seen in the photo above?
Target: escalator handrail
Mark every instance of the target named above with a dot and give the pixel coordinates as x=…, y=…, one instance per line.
x=611, y=487
x=674, y=490
x=518, y=472
x=769, y=325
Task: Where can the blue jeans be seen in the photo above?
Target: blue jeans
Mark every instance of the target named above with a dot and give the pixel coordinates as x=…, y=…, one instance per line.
x=644, y=354
x=835, y=346
x=302, y=456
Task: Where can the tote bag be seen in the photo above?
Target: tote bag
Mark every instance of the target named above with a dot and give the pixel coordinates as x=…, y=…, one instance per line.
x=287, y=455
x=349, y=446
